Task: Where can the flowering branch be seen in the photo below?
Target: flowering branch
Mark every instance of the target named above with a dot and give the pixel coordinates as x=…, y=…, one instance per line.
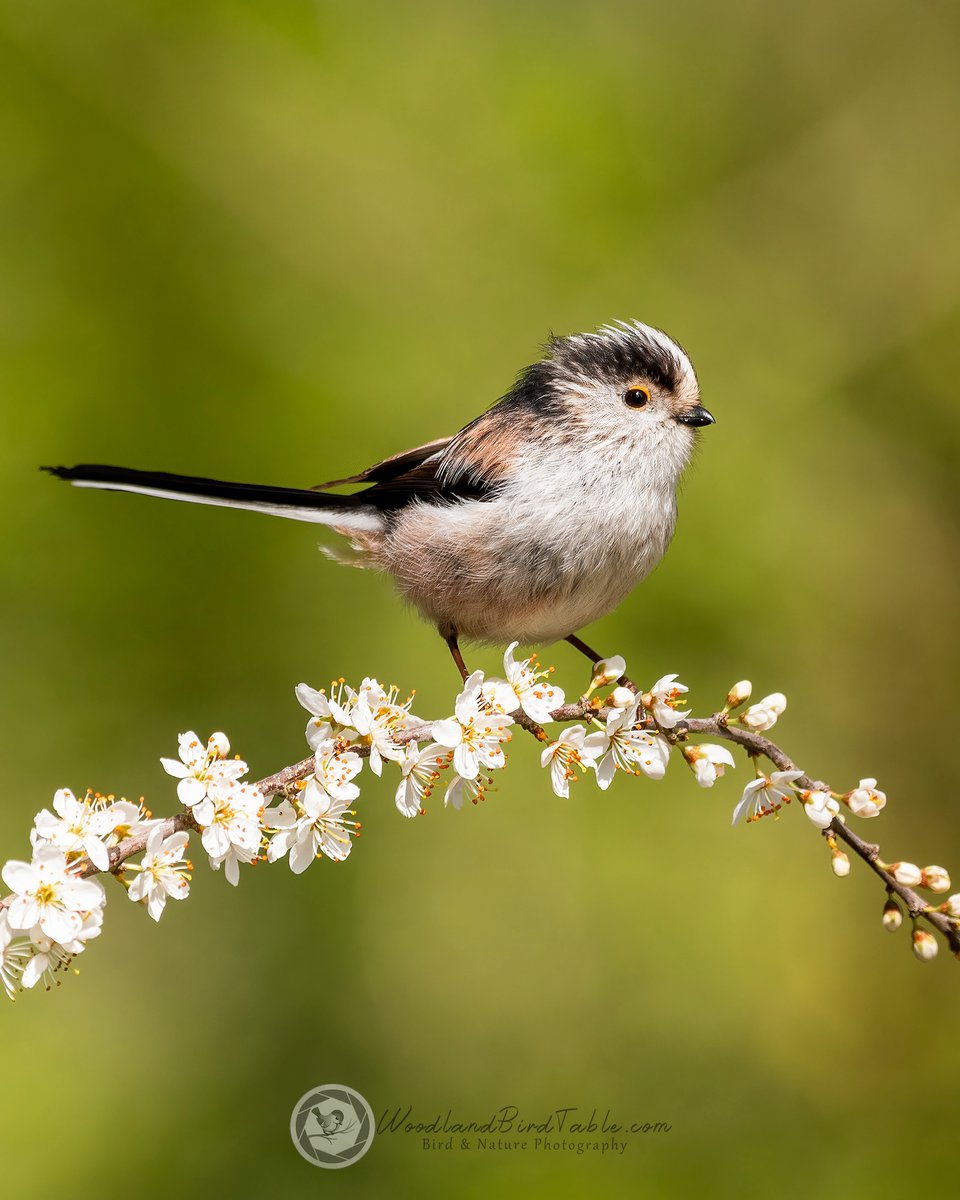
x=895, y=876
x=56, y=904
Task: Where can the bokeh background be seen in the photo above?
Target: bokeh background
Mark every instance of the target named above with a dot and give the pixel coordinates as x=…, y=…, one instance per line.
x=279, y=241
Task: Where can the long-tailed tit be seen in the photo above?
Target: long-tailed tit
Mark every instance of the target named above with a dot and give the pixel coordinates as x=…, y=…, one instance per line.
x=534, y=520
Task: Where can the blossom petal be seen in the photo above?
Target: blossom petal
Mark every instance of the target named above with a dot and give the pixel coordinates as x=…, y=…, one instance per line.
x=282, y=817
x=203, y=812
x=33, y=971
x=60, y=924
x=190, y=791
x=448, y=732
x=216, y=840
x=407, y=800
x=82, y=894
x=97, y=852
x=140, y=886
x=231, y=869
x=466, y=762
x=606, y=769
x=454, y=793
x=155, y=903
x=302, y=854
x=23, y=912
x=20, y=876
x=172, y=767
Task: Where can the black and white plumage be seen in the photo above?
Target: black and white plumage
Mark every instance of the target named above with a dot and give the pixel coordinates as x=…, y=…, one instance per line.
x=535, y=519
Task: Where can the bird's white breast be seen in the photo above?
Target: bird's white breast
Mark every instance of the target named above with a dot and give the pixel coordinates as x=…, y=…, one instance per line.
x=572, y=531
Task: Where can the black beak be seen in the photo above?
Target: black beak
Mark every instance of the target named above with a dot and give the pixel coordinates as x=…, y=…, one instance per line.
x=697, y=415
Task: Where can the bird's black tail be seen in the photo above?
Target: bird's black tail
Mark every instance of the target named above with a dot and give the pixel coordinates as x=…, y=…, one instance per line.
x=348, y=512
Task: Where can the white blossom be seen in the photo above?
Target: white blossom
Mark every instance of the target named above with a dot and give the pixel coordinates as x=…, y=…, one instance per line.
x=46, y=958
x=33, y=956
x=461, y=789
x=90, y=927
x=371, y=716
x=319, y=821
x=377, y=719
x=524, y=688
x=565, y=757
x=318, y=824
x=330, y=712
x=334, y=707
x=951, y=906
x=126, y=818
x=765, y=794
x=624, y=746
x=664, y=700
x=840, y=864
x=763, y=716
x=865, y=800
x=708, y=762
x=163, y=871
x=420, y=770
x=335, y=771
x=89, y=826
x=231, y=861
x=475, y=735
x=200, y=768
x=821, y=807
x=79, y=827
x=232, y=834
x=48, y=896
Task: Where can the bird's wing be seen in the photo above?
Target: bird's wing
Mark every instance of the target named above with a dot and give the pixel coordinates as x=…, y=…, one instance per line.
x=390, y=468
x=464, y=467
x=488, y=450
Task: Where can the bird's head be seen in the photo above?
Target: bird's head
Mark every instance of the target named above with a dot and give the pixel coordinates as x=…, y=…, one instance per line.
x=627, y=382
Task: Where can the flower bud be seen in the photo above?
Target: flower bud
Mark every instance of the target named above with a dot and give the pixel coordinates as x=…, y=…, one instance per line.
x=621, y=697
x=925, y=945
x=866, y=801
x=739, y=694
x=906, y=873
x=841, y=864
x=607, y=670
x=707, y=761
x=935, y=879
x=763, y=716
x=951, y=906
x=820, y=807
x=892, y=915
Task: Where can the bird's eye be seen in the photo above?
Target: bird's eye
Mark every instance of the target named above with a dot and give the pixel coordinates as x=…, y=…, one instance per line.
x=636, y=397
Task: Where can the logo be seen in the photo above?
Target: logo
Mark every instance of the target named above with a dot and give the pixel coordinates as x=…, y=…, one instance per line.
x=332, y=1126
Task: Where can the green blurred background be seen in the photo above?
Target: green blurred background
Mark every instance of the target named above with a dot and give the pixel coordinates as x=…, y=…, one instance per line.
x=279, y=241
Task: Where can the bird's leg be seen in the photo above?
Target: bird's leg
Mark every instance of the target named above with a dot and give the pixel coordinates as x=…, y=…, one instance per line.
x=519, y=716
x=582, y=646
x=579, y=644
x=451, y=640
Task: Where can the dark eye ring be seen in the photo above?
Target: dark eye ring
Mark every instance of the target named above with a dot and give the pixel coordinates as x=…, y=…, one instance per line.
x=636, y=397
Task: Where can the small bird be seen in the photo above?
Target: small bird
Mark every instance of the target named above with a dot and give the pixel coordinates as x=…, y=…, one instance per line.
x=534, y=520
x=329, y=1122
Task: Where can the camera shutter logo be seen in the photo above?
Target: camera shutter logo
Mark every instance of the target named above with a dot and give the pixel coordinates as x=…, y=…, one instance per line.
x=332, y=1126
